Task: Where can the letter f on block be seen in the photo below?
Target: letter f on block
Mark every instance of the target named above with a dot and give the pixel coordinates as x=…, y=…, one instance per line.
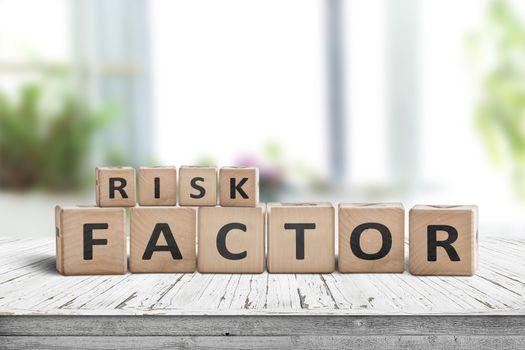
x=89, y=242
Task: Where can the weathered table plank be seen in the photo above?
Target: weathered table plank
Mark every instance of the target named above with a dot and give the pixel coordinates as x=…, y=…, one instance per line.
x=41, y=309
x=29, y=285
x=381, y=342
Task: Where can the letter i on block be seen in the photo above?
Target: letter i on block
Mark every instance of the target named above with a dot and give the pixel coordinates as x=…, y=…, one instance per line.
x=371, y=237
x=90, y=241
x=301, y=238
x=158, y=185
x=116, y=187
x=231, y=240
x=162, y=239
x=443, y=240
x=239, y=186
x=197, y=186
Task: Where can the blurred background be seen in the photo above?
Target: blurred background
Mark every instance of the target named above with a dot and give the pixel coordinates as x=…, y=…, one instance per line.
x=418, y=101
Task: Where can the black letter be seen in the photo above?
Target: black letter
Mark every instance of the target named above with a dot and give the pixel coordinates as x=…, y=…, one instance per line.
x=299, y=237
x=89, y=242
x=120, y=188
x=433, y=243
x=221, y=241
x=234, y=188
x=355, y=241
x=171, y=245
x=157, y=187
x=201, y=189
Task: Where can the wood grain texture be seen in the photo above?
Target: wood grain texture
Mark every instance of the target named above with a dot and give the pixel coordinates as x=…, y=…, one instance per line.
x=30, y=285
x=197, y=186
x=179, y=224
x=250, y=241
x=262, y=325
x=391, y=216
x=106, y=258
x=104, y=176
x=461, y=218
x=166, y=193
x=245, y=179
x=318, y=253
x=268, y=342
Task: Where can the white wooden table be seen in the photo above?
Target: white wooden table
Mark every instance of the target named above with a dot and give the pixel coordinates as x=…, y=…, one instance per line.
x=40, y=308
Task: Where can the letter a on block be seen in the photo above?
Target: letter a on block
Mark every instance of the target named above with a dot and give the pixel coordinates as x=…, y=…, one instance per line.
x=90, y=241
x=162, y=239
x=443, y=240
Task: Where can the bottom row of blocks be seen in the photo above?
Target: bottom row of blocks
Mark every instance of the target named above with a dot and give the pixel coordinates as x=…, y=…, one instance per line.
x=300, y=239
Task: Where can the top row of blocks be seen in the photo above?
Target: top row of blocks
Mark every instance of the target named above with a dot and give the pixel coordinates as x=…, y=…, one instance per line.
x=197, y=186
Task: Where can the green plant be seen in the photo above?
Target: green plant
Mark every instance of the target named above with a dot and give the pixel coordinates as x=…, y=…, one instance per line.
x=43, y=146
x=501, y=110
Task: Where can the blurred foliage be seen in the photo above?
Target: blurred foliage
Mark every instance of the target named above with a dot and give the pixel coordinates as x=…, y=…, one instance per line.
x=501, y=111
x=46, y=145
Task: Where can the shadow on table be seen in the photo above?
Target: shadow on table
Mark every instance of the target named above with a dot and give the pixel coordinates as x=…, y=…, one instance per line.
x=41, y=262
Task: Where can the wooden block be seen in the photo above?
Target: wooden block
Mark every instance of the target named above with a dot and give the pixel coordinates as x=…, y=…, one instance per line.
x=162, y=239
x=239, y=186
x=158, y=185
x=90, y=241
x=301, y=238
x=443, y=240
x=198, y=186
x=231, y=240
x=371, y=237
x=116, y=187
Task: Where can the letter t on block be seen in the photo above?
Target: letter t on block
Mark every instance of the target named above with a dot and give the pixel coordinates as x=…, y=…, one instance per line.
x=301, y=238
x=443, y=240
x=116, y=187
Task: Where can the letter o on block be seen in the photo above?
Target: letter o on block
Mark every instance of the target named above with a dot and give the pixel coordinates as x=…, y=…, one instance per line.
x=371, y=237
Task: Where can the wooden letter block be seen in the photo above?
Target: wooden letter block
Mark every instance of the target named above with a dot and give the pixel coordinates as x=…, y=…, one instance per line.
x=231, y=240
x=371, y=237
x=301, y=238
x=162, y=239
x=239, y=187
x=90, y=241
x=116, y=187
x=443, y=240
x=158, y=186
x=197, y=186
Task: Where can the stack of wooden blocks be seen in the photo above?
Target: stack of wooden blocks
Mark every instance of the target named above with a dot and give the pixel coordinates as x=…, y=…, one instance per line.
x=236, y=236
